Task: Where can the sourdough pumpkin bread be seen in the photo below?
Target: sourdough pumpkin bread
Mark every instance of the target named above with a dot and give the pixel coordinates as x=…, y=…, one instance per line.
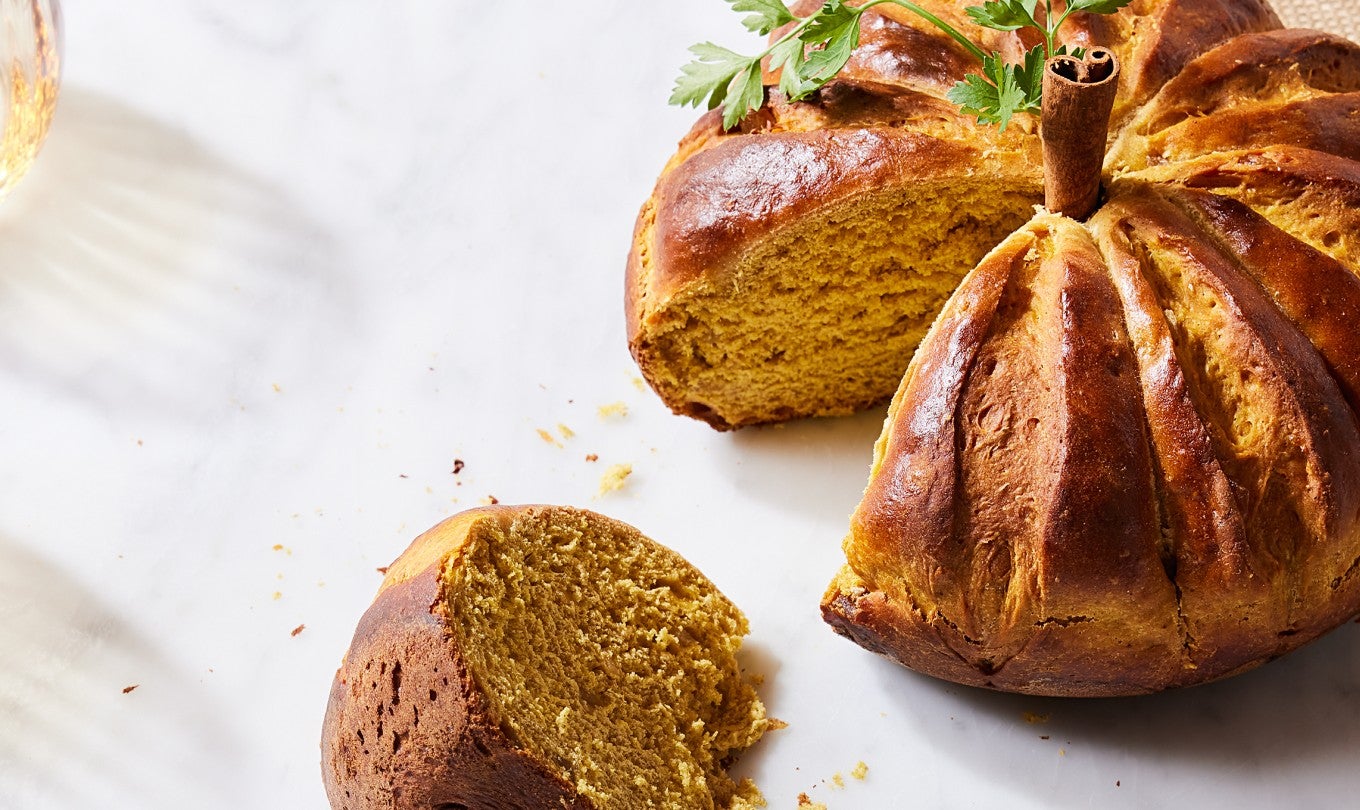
x=541, y=657
x=789, y=268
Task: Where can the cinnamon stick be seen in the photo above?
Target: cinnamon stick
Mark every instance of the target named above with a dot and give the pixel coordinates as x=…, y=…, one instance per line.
x=1078, y=98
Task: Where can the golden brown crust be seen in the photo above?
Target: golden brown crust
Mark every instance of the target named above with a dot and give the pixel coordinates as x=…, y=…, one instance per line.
x=406, y=728
x=1272, y=89
x=720, y=200
x=1155, y=39
x=1136, y=533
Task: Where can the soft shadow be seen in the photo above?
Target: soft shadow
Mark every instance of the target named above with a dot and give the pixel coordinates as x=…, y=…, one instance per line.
x=1298, y=714
x=816, y=467
x=757, y=659
x=69, y=736
x=134, y=259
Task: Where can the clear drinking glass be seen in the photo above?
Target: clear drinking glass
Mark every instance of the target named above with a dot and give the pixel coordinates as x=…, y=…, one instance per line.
x=30, y=55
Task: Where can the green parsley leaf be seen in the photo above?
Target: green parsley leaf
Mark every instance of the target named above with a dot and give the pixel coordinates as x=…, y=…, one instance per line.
x=1029, y=77
x=745, y=93
x=709, y=76
x=767, y=14
x=836, y=31
x=833, y=16
x=993, y=97
x=1005, y=15
x=787, y=58
x=1096, y=6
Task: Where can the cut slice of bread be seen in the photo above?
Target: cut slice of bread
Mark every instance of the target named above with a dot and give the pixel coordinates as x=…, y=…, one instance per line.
x=541, y=657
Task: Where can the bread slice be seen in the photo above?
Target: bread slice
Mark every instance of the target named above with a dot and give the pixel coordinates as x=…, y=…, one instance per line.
x=541, y=657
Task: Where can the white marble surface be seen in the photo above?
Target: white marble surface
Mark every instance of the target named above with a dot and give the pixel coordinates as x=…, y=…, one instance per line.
x=282, y=263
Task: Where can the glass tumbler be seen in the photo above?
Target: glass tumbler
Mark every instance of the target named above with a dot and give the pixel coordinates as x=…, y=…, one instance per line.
x=30, y=56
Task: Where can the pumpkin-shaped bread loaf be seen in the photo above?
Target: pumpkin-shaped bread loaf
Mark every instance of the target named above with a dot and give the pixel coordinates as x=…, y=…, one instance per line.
x=1126, y=456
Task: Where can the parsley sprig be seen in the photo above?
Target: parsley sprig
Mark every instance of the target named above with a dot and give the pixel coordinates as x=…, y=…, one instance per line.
x=815, y=48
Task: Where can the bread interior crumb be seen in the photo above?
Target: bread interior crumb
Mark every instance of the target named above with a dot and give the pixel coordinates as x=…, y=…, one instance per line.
x=608, y=657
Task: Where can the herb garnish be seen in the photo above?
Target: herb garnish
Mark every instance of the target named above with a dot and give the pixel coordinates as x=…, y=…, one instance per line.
x=816, y=48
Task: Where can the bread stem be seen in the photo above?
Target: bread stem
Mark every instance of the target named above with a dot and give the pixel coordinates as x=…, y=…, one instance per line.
x=1078, y=98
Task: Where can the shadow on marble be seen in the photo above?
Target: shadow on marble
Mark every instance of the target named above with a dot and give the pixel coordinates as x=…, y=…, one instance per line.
x=1295, y=714
x=69, y=735
x=815, y=467
x=763, y=662
x=137, y=264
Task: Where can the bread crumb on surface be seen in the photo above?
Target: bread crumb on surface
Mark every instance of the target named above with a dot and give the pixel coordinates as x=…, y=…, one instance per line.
x=860, y=771
x=592, y=456
x=639, y=383
x=614, y=410
x=566, y=432
x=614, y=478
x=837, y=780
x=490, y=500
x=548, y=437
x=278, y=595
x=1031, y=717
x=127, y=689
x=381, y=570
x=805, y=802
x=774, y=723
x=297, y=630
x=458, y=465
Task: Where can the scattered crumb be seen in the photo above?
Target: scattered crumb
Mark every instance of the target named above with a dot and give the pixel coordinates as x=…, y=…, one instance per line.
x=592, y=457
x=548, y=437
x=566, y=432
x=278, y=389
x=490, y=500
x=457, y=466
x=1043, y=736
x=1116, y=783
x=297, y=630
x=775, y=724
x=127, y=689
x=278, y=546
x=403, y=475
x=639, y=384
x=1031, y=717
x=1062, y=752
x=278, y=595
x=429, y=490
x=613, y=410
x=139, y=442
x=837, y=780
x=804, y=801
x=859, y=771
x=614, y=478
x=382, y=570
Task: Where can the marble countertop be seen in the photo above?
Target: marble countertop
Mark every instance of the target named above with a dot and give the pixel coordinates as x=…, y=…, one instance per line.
x=280, y=264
